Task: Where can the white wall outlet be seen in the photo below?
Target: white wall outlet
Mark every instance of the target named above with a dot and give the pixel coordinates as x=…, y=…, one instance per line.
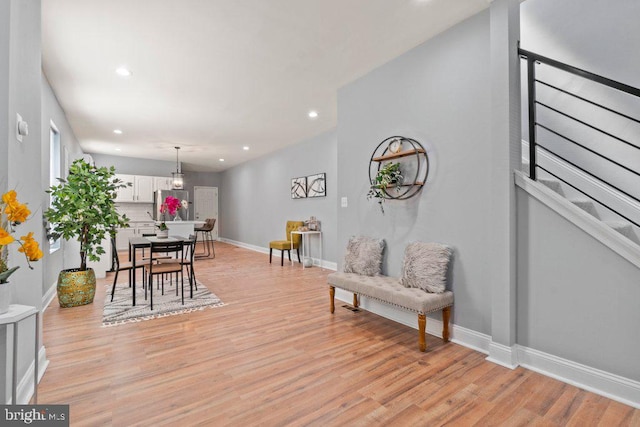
x=343, y=202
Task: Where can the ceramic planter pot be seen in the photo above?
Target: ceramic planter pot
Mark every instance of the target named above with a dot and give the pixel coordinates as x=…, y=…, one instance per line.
x=76, y=287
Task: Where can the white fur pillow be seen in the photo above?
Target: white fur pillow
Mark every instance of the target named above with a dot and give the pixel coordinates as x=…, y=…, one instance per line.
x=425, y=266
x=364, y=256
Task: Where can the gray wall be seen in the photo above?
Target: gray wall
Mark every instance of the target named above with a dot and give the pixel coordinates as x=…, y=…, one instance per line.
x=577, y=299
x=135, y=166
x=20, y=48
x=255, y=199
x=68, y=256
x=439, y=94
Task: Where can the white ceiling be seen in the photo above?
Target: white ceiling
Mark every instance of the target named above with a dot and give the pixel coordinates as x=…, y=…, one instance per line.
x=213, y=76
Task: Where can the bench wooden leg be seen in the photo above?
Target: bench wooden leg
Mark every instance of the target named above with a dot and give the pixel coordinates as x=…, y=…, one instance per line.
x=355, y=300
x=446, y=314
x=422, y=326
x=332, y=294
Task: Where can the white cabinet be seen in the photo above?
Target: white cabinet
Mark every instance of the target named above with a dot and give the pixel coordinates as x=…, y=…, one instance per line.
x=141, y=190
x=137, y=229
x=144, y=189
x=126, y=194
x=122, y=238
x=145, y=228
x=163, y=183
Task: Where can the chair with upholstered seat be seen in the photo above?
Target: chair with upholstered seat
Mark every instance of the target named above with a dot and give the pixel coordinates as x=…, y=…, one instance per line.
x=285, y=245
x=207, y=238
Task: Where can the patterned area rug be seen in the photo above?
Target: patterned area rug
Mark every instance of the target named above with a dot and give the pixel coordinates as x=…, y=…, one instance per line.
x=120, y=310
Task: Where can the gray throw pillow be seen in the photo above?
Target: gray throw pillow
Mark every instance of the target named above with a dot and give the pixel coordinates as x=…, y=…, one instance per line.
x=364, y=256
x=425, y=266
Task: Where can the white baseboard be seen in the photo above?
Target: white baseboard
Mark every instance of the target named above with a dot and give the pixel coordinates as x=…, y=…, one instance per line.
x=316, y=261
x=503, y=355
x=48, y=296
x=609, y=385
x=25, y=385
x=459, y=335
x=600, y=382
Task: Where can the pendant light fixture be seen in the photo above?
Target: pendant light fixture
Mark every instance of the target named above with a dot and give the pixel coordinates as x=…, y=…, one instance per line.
x=178, y=176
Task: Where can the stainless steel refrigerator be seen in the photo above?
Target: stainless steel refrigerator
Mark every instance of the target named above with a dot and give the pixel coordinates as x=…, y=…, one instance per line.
x=159, y=198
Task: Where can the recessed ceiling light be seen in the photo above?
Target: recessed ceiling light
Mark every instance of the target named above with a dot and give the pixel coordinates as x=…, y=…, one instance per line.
x=117, y=131
x=118, y=149
x=222, y=160
x=123, y=72
x=313, y=114
x=245, y=148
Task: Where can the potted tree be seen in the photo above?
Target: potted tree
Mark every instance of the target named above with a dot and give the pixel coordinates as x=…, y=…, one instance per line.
x=83, y=207
x=389, y=176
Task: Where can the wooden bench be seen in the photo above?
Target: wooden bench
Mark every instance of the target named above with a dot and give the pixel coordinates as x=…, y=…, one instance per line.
x=389, y=290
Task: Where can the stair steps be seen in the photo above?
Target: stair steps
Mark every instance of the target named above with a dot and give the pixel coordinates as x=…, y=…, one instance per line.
x=586, y=205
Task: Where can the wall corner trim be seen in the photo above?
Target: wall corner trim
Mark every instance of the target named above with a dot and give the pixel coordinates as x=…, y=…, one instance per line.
x=503, y=355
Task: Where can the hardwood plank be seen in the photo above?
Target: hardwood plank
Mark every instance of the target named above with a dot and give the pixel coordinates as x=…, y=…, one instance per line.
x=274, y=355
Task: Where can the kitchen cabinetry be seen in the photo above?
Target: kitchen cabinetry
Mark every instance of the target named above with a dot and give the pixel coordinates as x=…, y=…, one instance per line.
x=137, y=229
x=163, y=183
x=141, y=190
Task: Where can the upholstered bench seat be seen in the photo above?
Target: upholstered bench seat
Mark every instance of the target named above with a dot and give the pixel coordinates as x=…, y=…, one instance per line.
x=390, y=290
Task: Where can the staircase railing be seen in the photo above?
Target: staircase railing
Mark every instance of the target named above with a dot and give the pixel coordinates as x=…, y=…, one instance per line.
x=533, y=82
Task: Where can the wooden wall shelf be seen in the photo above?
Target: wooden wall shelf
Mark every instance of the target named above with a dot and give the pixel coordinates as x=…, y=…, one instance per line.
x=413, y=161
x=399, y=155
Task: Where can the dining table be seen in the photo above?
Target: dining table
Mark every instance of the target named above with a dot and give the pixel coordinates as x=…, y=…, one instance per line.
x=136, y=243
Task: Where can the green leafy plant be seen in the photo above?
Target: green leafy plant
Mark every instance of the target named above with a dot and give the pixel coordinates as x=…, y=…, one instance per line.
x=83, y=207
x=388, y=177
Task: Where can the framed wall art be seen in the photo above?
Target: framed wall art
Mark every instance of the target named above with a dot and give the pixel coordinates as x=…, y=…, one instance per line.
x=316, y=185
x=299, y=188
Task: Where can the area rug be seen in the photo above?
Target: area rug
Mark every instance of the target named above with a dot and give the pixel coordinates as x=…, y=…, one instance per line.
x=120, y=311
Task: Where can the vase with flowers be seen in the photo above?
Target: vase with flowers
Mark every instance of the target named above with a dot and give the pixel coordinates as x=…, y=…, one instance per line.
x=169, y=206
x=12, y=214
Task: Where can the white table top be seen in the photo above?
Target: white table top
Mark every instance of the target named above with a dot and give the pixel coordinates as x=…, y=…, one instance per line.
x=307, y=232
x=16, y=313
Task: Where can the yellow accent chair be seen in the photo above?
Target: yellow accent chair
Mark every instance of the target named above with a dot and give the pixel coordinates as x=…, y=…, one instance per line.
x=285, y=245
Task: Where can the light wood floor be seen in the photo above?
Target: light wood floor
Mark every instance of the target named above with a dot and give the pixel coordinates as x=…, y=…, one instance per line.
x=274, y=355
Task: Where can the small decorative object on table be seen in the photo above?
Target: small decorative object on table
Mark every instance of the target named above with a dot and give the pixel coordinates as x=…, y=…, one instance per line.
x=12, y=214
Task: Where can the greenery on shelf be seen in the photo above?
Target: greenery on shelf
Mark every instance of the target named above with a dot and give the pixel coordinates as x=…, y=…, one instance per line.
x=83, y=207
x=389, y=176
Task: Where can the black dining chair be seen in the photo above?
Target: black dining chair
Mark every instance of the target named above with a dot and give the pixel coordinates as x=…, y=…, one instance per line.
x=186, y=261
x=124, y=266
x=159, y=269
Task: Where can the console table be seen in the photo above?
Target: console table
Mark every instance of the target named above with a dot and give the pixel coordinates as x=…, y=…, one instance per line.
x=306, y=245
x=16, y=313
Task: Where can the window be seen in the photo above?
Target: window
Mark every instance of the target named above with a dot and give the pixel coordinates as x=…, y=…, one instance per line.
x=54, y=170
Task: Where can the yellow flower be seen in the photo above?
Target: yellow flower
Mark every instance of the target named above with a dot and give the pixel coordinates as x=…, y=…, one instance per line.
x=16, y=211
x=30, y=247
x=5, y=238
x=10, y=196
